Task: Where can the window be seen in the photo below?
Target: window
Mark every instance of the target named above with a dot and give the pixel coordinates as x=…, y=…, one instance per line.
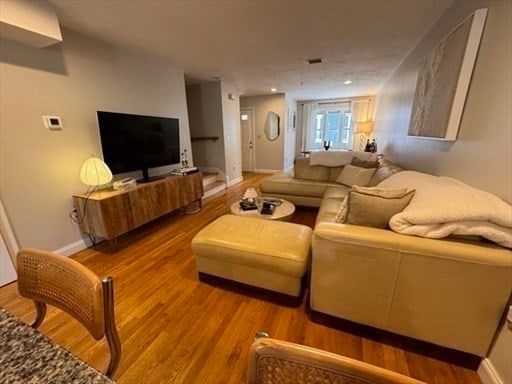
x=331, y=122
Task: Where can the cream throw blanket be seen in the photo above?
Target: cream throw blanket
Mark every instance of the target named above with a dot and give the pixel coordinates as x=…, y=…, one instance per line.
x=338, y=158
x=443, y=206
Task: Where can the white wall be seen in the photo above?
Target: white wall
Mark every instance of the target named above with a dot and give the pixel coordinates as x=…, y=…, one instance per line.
x=206, y=120
x=290, y=132
x=232, y=132
x=39, y=169
x=482, y=154
x=268, y=155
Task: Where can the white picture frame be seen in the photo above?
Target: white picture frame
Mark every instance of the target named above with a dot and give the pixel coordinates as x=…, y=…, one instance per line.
x=444, y=76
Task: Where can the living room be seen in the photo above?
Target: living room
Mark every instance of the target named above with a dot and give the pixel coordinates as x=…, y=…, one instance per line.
x=39, y=168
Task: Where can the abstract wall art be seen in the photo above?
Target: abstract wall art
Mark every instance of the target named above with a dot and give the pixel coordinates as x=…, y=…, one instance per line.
x=444, y=76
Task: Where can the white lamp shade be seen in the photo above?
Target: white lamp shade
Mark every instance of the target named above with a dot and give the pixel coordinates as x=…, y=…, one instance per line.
x=364, y=127
x=95, y=172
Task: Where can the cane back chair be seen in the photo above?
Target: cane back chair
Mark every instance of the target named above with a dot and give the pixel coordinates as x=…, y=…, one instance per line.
x=280, y=362
x=48, y=278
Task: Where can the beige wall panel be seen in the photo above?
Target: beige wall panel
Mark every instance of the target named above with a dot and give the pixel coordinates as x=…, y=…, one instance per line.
x=482, y=155
x=205, y=110
x=39, y=168
x=269, y=155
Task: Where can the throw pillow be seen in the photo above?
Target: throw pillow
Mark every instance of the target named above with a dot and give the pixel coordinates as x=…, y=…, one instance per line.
x=374, y=207
x=356, y=161
x=352, y=175
x=386, y=169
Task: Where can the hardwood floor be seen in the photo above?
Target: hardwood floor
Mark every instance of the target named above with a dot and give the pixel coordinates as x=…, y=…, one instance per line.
x=175, y=329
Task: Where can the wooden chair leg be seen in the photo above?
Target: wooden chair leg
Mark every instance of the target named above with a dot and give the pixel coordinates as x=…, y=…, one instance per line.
x=40, y=314
x=110, y=326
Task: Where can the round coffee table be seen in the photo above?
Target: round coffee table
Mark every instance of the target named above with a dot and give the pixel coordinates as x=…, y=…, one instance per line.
x=282, y=212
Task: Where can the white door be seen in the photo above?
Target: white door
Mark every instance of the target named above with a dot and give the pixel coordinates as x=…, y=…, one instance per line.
x=247, y=127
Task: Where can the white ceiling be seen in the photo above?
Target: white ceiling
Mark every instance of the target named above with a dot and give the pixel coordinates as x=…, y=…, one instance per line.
x=263, y=44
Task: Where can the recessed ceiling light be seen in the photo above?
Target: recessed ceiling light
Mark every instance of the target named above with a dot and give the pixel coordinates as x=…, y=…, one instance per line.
x=347, y=82
x=273, y=90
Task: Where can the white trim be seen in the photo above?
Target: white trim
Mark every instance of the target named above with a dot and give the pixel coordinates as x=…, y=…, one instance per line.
x=267, y=171
x=488, y=373
x=235, y=181
x=466, y=71
x=73, y=248
x=8, y=235
x=215, y=190
x=253, y=126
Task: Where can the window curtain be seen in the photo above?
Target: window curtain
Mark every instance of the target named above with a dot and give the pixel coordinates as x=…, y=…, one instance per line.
x=360, y=113
x=308, y=115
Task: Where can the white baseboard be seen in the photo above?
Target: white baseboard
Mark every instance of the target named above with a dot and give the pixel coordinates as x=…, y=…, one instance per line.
x=73, y=248
x=267, y=171
x=235, y=181
x=215, y=190
x=488, y=374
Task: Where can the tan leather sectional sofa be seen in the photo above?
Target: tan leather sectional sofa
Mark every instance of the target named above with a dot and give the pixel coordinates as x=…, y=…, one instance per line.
x=306, y=184
x=451, y=292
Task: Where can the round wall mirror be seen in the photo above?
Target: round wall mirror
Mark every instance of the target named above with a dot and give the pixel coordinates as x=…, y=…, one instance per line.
x=272, y=126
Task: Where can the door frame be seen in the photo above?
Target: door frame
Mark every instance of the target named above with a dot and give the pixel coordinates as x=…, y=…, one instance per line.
x=252, y=136
x=9, y=244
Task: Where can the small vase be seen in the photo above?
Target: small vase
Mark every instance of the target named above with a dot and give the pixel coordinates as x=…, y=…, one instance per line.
x=327, y=145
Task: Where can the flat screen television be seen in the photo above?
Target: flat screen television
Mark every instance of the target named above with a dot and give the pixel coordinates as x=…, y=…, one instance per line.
x=137, y=142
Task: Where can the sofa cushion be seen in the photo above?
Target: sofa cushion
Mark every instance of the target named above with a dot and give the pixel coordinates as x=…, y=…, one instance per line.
x=352, y=175
x=356, y=161
x=373, y=207
x=331, y=202
x=386, y=169
x=338, y=192
x=286, y=184
x=302, y=170
x=334, y=173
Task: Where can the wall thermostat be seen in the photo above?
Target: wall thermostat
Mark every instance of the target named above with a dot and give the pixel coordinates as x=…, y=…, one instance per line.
x=52, y=122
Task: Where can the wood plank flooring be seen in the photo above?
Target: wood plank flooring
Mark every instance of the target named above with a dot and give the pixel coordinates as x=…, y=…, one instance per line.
x=175, y=329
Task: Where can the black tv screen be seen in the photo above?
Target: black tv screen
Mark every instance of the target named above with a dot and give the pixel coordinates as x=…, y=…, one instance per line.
x=136, y=142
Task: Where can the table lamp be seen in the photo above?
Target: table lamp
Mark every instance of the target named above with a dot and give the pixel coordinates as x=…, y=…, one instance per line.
x=366, y=128
x=95, y=172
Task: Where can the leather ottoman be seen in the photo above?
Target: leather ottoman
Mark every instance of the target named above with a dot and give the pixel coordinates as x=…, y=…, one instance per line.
x=264, y=253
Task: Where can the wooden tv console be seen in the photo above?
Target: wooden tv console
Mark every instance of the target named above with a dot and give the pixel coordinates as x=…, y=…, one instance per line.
x=109, y=213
